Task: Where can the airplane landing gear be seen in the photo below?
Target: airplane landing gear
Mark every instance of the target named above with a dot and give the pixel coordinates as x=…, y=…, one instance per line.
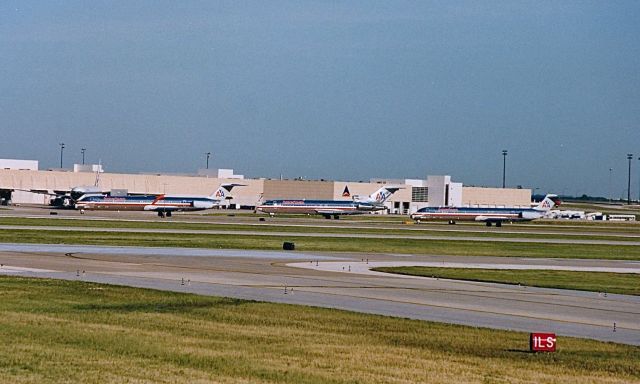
x=499, y=224
x=451, y=222
x=489, y=224
x=160, y=214
x=169, y=214
x=336, y=217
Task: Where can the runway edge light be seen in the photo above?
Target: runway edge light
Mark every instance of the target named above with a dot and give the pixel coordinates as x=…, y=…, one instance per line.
x=542, y=342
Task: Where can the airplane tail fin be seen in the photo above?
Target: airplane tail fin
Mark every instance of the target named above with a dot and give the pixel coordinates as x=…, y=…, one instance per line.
x=223, y=192
x=382, y=194
x=548, y=203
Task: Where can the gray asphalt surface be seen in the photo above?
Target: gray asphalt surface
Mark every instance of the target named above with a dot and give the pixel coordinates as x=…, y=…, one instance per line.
x=157, y=251
x=261, y=275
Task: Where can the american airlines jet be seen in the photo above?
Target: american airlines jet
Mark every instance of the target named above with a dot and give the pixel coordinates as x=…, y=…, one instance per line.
x=67, y=198
x=162, y=204
x=487, y=215
x=329, y=208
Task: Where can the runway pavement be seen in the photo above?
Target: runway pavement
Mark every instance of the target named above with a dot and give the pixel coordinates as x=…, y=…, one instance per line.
x=342, y=281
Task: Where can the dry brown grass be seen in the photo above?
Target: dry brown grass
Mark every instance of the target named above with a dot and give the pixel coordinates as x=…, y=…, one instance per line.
x=58, y=331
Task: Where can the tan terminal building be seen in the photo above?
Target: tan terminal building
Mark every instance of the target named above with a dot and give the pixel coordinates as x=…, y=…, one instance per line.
x=18, y=178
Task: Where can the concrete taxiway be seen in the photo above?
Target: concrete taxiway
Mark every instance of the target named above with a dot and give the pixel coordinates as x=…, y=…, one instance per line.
x=344, y=281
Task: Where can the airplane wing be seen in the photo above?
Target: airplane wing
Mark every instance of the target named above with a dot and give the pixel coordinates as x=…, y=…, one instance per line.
x=48, y=192
x=335, y=212
x=154, y=207
x=492, y=219
x=162, y=208
x=58, y=192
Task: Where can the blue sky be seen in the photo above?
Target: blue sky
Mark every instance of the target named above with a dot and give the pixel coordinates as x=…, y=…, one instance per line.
x=335, y=90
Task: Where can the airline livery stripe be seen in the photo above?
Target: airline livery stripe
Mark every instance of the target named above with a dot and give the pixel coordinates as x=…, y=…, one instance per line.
x=100, y=203
x=307, y=207
x=462, y=214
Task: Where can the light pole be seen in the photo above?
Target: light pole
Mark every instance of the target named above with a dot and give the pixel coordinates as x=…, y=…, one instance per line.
x=504, y=166
x=208, y=154
x=610, y=172
x=61, y=151
x=629, y=157
x=83, y=150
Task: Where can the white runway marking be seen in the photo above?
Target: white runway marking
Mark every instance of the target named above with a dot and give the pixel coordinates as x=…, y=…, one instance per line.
x=10, y=269
x=365, y=268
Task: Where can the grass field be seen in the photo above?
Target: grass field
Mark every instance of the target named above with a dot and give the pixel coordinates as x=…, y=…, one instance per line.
x=60, y=331
x=623, y=283
x=266, y=227
x=326, y=244
x=632, y=227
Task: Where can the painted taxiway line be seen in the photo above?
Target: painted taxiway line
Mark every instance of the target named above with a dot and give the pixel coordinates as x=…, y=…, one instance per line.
x=11, y=269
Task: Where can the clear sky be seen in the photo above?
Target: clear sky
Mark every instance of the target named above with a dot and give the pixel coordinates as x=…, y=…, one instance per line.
x=337, y=90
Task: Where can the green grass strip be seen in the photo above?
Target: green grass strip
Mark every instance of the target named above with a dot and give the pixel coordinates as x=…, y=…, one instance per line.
x=415, y=230
x=623, y=283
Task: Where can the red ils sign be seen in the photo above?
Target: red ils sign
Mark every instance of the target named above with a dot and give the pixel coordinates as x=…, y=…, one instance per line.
x=542, y=342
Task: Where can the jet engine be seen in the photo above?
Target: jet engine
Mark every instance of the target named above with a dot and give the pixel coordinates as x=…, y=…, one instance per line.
x=527, y=215
x=197, y=204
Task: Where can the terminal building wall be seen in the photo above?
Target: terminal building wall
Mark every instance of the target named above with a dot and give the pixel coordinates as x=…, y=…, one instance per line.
x=443, y=192
x=53, y=181
x=254, y=189
x=499, y=197
x=298, y=189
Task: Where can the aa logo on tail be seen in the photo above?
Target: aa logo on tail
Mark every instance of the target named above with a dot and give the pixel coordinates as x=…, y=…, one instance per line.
x=220, y=193
x=382, y=196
